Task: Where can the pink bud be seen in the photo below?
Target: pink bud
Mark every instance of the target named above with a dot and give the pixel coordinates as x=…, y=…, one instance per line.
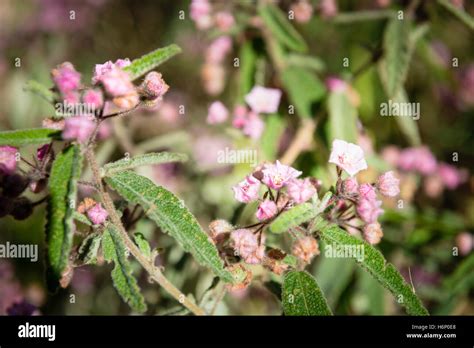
x=213, y=77
x=305, y=248
x=336, y=85
x=246, y=246
x=367, y=191
x=278, y=175
x=369, y=210
x=154, y=86
x=417, y=159
x=300, y=190
x=266, y=210
x=127, y=101
x=8, y=159
x=451, y=176
x=218, y=49
x=42, y=152
x=97, y=214
x=465, y=242
x=247, y=190
x=348, y=156
x=240, y=116
x=93, y=98
x=102, y=69
x=302, y=11
x=373, y=233
x=388, y=184
x=217, y=113
x=200, y=13
x=350, y=186
x=78, y=128
x=263, y=100
x=328, y=8
x=254, y=126
x=117, y=83
x=224, y=20
x=66, y=78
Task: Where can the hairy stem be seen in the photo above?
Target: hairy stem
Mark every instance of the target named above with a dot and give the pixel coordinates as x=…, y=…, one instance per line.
x=147, y=264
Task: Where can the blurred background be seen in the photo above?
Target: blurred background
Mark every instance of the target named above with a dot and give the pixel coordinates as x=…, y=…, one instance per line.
x=421, y=240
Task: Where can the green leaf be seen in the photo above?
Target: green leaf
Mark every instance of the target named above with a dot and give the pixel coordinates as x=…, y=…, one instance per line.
x=142, y=244
x=62, y=185
x=40, y=90
x=274, y=127
x=170, y=213
x=373, y=262
x=126, y=285
x=304, y=61
x=408, y=125
x=281, y=28
x=304, y=89
x=89, y=248
x=81, y=218
x=362, y=16
x=31, y=136
x=142, y=160
x=462, y=15
x=151, y=60
x=248, y=61
x=293, y=218
x=342, y=118
x=302, y=295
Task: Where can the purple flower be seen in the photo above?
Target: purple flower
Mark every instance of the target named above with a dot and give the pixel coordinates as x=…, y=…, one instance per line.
x=8, y=159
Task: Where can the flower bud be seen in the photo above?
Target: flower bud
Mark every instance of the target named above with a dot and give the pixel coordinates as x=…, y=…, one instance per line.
x=350, y=187
x=369, y=210
x=66, y=78
x=388, y=184
x=305, y=248
x=218, y=227
x=154, y=86
x=266, y=210
x=373, y=233
x=246, y=246
x=217, y=113
x=94, y=98
x=128, y=101
x=300, y=190
x=367, y=191
x=97, y=214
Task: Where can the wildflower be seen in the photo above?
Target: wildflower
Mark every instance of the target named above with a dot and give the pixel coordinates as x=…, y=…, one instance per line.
x=305, y=248
x=347, y=156
x=246, y=246
x=78, y=128
x=213, y=77
x=328, y=8
x=217, y=113
x=266, y=210
x=247, y=190
x=373, y=233
x=7, y=159
x=300, y=190
x=97, y=214
x=388, y=184
x=369, y=210
x=66, y=78
x=263, y=100
x=278, y=175
x=367, y=191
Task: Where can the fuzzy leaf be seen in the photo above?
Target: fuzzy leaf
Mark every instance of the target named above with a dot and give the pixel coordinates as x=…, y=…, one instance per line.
x=170, y=213
x=342, y=118
x=31, y=136
x=142, y=244
x=81, y=218
x=293, y=218
x=374, y=262
x=142, y=160
x=151, y=60
x=62, y=185
x=126, y=285
x=40, y=90
x=89, y=248
x=281, y=28
x=304, y=89
x=302, y=295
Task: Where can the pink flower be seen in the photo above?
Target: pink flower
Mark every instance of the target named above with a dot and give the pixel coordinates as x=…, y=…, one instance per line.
x=246, y=246
x=367, y=191
x=347, y=156
x=117, y=83
x=217, y=113
x=218, y=49
x=391, y=154
x=417, y=159
x=465, y=242
x=350, y=186
x=94, y=98
x=278, y=175
x=328, y=8
x=247, y=190
x=373, y=233
x=200, y=13
x=224, y=20
x=451, y=176
x=102, y=69
x=78, y=128
x=369, y=210
x=66, y=78
x=71, y=97
x=8, y=159
x=305, y=248
x=254, y=126
x=300, y=190
x=97, y=214
x=263, y=100
x=388, y=184
x=154, y=86
x=42, y=152
x=240, y=116
x=302, y=11
x=266, y=210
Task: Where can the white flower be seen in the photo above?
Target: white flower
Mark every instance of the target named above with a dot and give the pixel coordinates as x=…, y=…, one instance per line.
x=348, y=156
x=263, y=100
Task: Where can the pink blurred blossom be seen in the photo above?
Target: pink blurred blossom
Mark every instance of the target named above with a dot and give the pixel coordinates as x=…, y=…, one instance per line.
x=335, y=84
x=224, y=20
x=218, y=49
x=417, y=159
x=94, y=98
x=451, y=176
x=246, y=246
x=201, y=13
x=367, y=191
x=263, y=100
x=217, y=113
x=388, y=184
x=465, y=243
x=66, y=78
x=302, y=10
x=78, y=128
x=254, y=126
x=328, y=8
